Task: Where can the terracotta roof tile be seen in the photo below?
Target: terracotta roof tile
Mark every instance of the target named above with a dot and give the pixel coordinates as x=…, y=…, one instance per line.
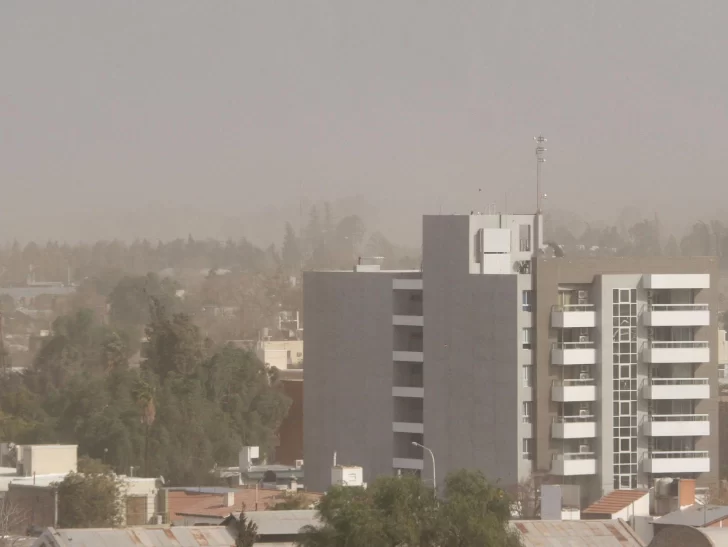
x=614, y=502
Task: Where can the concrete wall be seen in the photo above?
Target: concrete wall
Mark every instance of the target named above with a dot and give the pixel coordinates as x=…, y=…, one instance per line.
x=34, y=506
x=145, y=488
x=471, y=372
x=348, y=373
x=47, y=459
x=290, y=434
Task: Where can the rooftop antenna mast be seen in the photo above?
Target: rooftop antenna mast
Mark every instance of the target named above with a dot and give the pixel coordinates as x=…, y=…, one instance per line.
x=540, y=158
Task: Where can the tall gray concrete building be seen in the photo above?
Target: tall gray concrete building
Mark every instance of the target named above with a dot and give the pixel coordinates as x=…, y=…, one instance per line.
x=499, y=355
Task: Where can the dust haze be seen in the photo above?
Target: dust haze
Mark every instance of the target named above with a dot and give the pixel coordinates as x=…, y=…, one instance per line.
x=227, y=119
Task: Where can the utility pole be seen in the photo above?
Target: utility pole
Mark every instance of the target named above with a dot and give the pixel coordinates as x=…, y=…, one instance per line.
x=540, y=158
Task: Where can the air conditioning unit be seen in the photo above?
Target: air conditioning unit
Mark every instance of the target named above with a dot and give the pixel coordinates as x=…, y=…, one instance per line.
x=583, y=412
x=583, y=338
x=581, y=301
x=583, y=376
x=581, y=294
x=299, y=464
x=584, y=448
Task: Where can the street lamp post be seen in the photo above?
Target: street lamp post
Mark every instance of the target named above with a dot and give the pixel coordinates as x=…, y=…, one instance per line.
x=432, y=455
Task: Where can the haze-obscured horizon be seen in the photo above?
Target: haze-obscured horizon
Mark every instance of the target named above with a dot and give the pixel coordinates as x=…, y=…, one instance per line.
x=160, y=119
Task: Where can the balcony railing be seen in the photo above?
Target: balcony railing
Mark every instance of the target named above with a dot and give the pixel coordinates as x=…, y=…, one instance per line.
x=679, y=307
x=575, y=456
x=578, y=382
x=680, y=344
x=679, y=417
x=573, y=345
x=573, y=419
x=572, y=307
x=679, y=381
x=677, y=454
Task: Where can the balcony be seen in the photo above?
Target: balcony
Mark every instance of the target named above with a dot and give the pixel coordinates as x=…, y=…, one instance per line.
x=568, y=391
x=573, y=353
x=677, y=352
x=574, y=427
x=407, y=356
x=685, y=461
x=408, y=321
x=407, y=284
x=407, y=427
x=676, y=281
x=677, y=315
x=418, y=392
x=677, y=388
x=677, y=425
x=574, y=463
x=573, y=316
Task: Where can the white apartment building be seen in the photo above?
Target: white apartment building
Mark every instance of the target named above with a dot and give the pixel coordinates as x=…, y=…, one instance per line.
x=500, y=356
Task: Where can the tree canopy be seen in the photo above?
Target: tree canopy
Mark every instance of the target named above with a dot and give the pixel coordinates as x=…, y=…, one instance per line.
x=403, y=512
x=90, y=500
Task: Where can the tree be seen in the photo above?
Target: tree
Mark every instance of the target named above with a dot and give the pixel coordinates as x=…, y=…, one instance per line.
x=131, y=299
x=90, y=500
x=246, y=529
x=402, y=511
x=291, y=251
x=13, y=519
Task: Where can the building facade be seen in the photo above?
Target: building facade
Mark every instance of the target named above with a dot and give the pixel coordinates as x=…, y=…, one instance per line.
x=504, y=356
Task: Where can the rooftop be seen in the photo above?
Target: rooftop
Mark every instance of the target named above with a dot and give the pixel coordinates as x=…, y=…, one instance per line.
x=584, y=533
x=211, y=503
x=178, y=536
x=283, y=523
x=614, y=502
x=695, y=515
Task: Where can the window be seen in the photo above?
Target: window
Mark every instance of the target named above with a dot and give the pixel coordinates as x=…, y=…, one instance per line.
x=527, y=449
x=527, y=337
x=527, y=297
x=527, y=376
x=527, y=412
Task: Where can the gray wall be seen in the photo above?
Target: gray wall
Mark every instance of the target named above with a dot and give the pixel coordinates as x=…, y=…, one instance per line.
x=471, y=372
x=347, y=374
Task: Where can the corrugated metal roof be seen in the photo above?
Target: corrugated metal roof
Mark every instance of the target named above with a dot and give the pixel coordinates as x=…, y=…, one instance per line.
x=177, y=536
x=695, y=515
x=576, y=533
x=282, y=522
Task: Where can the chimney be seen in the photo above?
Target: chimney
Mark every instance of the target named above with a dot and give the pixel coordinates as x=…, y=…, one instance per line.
x=685, y=492
x=228, y=499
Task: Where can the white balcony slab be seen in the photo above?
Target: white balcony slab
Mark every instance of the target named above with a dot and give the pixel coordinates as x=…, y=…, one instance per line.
x=407, y=284
x=407, y=427
x=416, y=392
x=677, y=462
x=574, y=317
x=408, y=320
x=574, y=430
x=687, y=427
x=676, y=281
x=573, y=393
x=677, y=388
x=677, y=352
x=408, y=356
x=407, y=463
x=676, y=317
x=568, y=355
x=564, y=467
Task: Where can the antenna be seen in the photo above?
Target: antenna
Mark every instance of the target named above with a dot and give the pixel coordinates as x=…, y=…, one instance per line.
x=540, y=152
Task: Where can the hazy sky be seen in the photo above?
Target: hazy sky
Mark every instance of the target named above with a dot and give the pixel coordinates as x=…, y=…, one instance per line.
x=207, y=117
